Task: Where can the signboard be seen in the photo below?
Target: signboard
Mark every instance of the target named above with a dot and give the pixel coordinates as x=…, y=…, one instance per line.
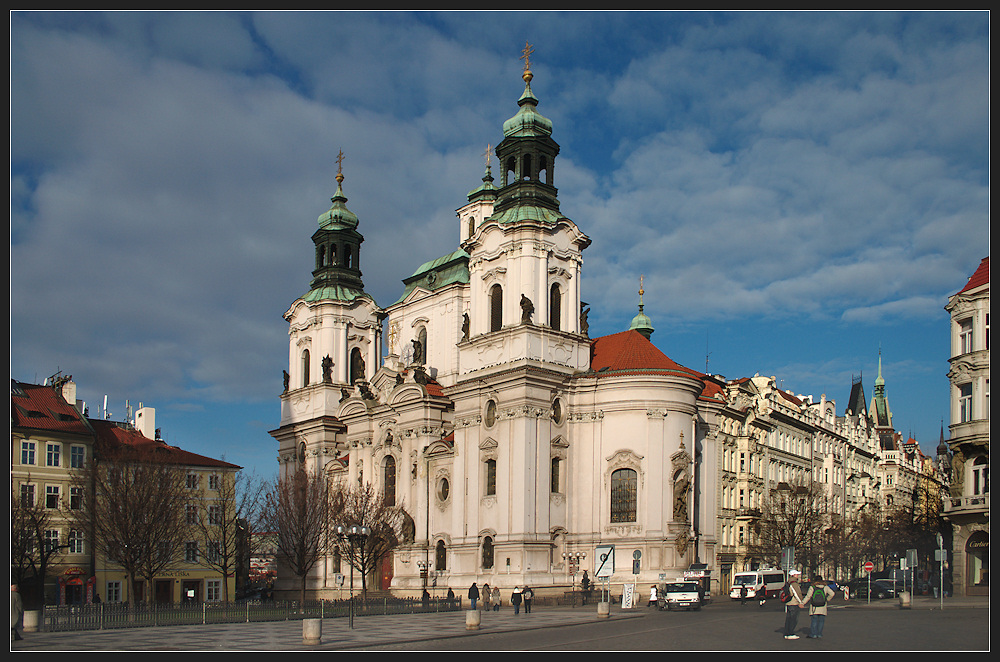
x=604, y=560
x=869, y=566
x=628, y=596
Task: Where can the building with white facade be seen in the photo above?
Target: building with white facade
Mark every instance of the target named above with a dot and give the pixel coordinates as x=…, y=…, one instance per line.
x=968, y=505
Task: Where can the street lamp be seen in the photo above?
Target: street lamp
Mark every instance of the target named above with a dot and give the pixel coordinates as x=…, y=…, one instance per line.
x=354, y=535
x=574, y=558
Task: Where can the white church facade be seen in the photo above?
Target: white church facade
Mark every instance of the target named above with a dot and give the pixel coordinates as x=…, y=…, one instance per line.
x=513, y=440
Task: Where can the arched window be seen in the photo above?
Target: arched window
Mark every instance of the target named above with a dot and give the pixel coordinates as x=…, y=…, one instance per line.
x=320, y=257
x=487, y=553
x=526, y=167
x=440, y=556
x=623, y=495
x=555, y=307
x=509, y=173
x=389, y=480
x=305, y=367
x=472, y=226
x=491, y=477
x=496, y=308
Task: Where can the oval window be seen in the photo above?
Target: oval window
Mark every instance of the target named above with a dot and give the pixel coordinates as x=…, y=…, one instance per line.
x=491, y=413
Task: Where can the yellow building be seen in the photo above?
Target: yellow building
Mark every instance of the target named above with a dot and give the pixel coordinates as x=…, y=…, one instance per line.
x=52, y=445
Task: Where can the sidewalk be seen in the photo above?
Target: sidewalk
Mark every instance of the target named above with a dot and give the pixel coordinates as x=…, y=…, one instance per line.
x=917, y=602
x=287, y=635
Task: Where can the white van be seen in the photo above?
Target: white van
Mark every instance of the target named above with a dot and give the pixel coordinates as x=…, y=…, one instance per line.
x=759, y=583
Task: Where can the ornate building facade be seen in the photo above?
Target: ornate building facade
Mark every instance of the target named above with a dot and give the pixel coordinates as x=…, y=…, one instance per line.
x=968, y=504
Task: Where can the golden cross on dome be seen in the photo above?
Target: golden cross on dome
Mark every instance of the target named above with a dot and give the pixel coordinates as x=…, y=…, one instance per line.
x=487, y=155
x=526, y=54
x=340, y=162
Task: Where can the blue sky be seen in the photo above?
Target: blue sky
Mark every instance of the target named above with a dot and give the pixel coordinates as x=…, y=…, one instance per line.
x=797, y=189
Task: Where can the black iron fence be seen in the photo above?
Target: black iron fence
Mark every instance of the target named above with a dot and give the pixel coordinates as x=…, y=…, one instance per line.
x=109, y=616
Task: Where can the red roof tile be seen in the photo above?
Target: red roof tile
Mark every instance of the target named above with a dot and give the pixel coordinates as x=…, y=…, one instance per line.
x=43, y=408
x=110, y=433
x=630, y=351
x=980, y=277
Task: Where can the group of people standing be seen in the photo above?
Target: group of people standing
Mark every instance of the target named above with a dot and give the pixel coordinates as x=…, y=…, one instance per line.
x=814, y=596
x=491, y=601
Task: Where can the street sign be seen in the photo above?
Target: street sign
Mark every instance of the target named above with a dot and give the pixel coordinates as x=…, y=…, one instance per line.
x=604, y=559
x=869, y=566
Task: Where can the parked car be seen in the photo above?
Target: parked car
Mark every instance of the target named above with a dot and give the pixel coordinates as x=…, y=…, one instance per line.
x=679, y=595
x=859, y=589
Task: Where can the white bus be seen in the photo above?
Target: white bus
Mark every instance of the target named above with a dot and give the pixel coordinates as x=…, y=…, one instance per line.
x=759, y=583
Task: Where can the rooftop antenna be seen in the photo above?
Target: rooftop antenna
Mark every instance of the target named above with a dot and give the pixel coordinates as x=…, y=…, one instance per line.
x=707, y=353
x=107, y=414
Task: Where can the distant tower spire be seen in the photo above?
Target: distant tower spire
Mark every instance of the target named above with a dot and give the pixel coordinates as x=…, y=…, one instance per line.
x=641, y=322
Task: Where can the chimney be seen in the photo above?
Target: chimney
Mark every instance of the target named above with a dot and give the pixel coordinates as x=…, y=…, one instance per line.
x=145, y=421
x=68, y=391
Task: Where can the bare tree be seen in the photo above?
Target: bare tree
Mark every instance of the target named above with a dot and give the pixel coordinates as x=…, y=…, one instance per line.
x=226, y=521
x=791, y=516
x=296, y=509
x=364, y=506
x=30, y=550
x=134, y=507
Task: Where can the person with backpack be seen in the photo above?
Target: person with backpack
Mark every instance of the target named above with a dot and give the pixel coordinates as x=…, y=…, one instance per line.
x=791, y=597
x=819, y=596
x=515, y=599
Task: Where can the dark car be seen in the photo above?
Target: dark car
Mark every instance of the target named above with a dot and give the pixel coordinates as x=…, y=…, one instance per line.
x=859, y=590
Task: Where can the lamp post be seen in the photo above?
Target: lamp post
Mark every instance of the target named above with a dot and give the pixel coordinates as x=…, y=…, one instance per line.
x=574, y=559
x=354, y=535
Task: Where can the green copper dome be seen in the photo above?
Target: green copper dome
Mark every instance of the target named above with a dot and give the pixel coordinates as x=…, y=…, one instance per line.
x=338, y=217
x=528, y=121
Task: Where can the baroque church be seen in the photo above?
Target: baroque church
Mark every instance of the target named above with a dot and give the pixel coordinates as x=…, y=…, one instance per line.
x=516, y=443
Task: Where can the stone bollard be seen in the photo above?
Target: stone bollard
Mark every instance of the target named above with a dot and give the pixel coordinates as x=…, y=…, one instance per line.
x=904, y=599
x=603, y=609
x=312, y=631
x=30, y=620
x=473, y=617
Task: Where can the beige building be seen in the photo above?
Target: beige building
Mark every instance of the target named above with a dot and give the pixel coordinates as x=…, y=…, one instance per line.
x=967, y=507
x=52, y=442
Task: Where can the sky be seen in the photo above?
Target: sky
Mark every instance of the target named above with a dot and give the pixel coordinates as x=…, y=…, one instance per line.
x=800, y=192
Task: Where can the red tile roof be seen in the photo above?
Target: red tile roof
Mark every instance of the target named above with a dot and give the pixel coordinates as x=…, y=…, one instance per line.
x=631, y=352
x=43, y=408
x=980, y=277
x=111, y=434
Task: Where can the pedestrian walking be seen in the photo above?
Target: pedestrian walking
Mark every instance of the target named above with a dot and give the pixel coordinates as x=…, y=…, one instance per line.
x=487, y=596
x=473, y=594
x=528, y=595
x=819, y=596
x=743, y=594
x=515, y=599
x=791, y=596
x=652, y=596
x=495, y=598
x=16, y=613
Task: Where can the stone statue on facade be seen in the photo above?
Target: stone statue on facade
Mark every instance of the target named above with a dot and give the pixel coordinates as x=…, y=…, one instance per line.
x=527, y=310
x=327, y=369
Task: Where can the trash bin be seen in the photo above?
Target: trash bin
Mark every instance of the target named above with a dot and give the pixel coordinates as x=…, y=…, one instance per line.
x=904, y=599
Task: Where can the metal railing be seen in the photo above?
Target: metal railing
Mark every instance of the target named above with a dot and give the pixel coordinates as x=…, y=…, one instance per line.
x=110, y=616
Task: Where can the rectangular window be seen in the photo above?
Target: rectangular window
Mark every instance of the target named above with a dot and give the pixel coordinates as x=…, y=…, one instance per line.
x=213, y=482
x=75, y=541
x=27, y=452
x=555, y=475
x=77, y=454
x=27, y=495
x=192, y=481
x=191, y=551
x=51, y=496
x=491, y=477
x=965, y=403
x=113, y=592
x=52, y=453
x=191, y=512
x=213, y=590
x=215, y=552
x=215, y=515
x=51, y=540
x=965, y=336
x=75, y=498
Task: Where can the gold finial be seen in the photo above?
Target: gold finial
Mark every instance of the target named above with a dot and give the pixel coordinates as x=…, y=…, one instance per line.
x=340, y=166
x=487, y=155
x=526, y=55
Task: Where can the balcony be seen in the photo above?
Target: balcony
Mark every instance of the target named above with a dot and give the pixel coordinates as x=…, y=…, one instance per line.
x=967, y=505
